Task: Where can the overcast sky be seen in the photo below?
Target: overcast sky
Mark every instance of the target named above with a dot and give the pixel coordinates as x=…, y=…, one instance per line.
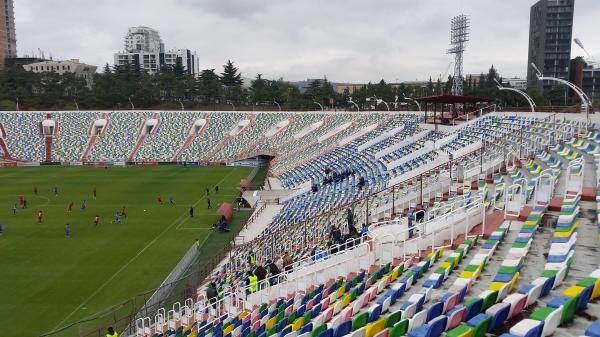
x=346, y=40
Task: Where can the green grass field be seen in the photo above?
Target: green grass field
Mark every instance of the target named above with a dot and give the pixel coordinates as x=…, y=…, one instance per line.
x=49, y=281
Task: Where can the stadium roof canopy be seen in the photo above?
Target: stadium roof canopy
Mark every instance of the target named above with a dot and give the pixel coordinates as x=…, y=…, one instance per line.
x=460, y=109
x=450, y=99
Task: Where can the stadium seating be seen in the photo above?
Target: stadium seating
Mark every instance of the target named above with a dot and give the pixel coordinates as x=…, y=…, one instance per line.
x=120, y=138
x=166, y=142
x=74, y=129
x=23, y=137
x=390, y=170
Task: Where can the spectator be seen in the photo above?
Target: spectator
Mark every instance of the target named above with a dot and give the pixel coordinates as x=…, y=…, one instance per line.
x=364, y=231
x=353, y=232
x=191, y=211
x=251, y=281
x=261, y=274
x=111, y=332
x=279, y=263
x=350, y=217
x=251, y=258
x=288, y=262
x=212, y=294
x=274, y=270
x=335, y=235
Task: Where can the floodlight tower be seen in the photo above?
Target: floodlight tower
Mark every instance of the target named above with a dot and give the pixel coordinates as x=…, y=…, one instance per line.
x=459, y=36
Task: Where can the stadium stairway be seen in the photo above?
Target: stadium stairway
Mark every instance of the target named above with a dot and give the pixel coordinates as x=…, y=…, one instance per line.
x=229, y=138
x=142, y=135
x=5, y=153
x=257, y=225
x=48, y=148
x=93, y=138
x=250, y=151
x=190, y=137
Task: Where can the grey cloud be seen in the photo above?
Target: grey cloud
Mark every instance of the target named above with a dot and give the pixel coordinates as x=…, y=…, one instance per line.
x=350, y=40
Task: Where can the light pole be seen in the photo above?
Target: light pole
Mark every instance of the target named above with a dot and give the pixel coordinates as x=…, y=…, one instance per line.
x=590, y=60
x=412, y=100
x=232, y=106
x=76, y=105
x=130, y=102
x=320, y=105
x=181, y=104
x=17, y=100
x=585, y=101
x=352, y=102
x=520, y=92
x=378, y=101
x=278, y=106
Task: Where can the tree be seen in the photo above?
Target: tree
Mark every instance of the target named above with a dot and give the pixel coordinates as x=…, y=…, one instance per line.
x=232, y=81
x=259, y=90
x=209, y=86
x=230, y=76
x=430, y=86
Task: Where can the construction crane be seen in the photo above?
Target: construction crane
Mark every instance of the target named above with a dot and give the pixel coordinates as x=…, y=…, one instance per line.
x=444, y=75
x=590, y=59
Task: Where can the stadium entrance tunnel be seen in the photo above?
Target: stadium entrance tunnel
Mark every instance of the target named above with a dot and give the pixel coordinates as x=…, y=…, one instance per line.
x=241, y=125
x=150, y=125
x=48, y=127
x=98, y=127
x=198, y=126
x=275, y=129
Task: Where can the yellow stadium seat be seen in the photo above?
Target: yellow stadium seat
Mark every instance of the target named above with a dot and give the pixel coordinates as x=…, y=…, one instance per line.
x=496, y=286
x=298, y=323
x=268, y=325
x=572, y=291
x=373, y=328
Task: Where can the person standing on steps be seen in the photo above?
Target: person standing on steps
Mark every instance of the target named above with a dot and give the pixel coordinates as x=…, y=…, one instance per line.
x=111, y=332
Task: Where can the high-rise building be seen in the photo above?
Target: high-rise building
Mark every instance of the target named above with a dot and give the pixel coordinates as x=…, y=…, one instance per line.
x=187, y=58
x=586, y=75
x=8, y=37
x=550, y=35
x=145, y=49
x=143, y=39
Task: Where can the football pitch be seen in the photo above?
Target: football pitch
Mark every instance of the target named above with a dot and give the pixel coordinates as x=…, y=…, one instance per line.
x=49, y=280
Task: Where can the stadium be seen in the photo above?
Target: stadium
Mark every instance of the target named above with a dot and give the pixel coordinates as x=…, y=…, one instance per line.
x=379, y=223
